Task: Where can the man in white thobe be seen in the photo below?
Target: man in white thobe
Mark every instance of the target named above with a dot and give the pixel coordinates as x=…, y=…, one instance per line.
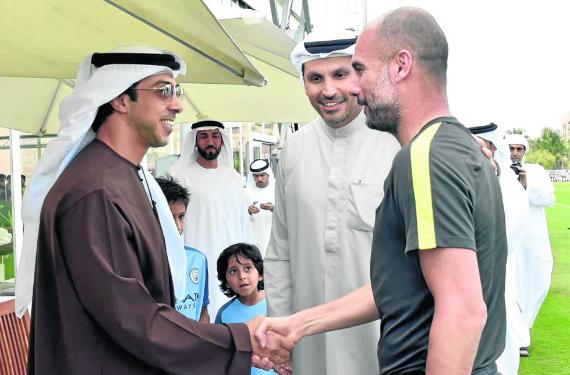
x=515, y=204
x=329, y=182
x=260, y=193
x=217, y=213
x=534, y=261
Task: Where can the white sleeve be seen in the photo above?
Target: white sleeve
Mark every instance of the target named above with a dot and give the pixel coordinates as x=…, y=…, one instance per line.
x=247, y=229
x=539, y=187
x=277, y=266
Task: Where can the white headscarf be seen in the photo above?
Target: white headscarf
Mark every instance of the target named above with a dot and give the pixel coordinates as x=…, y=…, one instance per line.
x=319, y=45
x=189, y=152
x=259, y=166
x=503, y=154
x=93, y=88
x=518, y=139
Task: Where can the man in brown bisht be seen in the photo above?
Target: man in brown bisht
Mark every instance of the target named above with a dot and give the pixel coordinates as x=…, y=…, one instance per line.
x=103, y=294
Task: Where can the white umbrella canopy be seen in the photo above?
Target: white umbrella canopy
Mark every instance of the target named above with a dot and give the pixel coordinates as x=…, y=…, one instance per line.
x=31, y=105
x=258, y=37
x=282, y=99
x=48, y=39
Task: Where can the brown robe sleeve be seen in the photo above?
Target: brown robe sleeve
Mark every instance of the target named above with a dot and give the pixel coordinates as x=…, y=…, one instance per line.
x=112, y=272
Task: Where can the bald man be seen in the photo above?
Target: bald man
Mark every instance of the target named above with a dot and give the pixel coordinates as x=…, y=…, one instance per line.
x=439, y=248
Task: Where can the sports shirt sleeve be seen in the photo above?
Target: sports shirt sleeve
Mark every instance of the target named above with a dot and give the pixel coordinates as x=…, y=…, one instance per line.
x=438, y=209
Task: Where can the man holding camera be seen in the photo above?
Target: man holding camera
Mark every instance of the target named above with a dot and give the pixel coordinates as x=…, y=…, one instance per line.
x=535, y=255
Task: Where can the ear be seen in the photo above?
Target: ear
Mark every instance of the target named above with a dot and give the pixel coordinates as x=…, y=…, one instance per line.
x=121, y=103
x=403, y=62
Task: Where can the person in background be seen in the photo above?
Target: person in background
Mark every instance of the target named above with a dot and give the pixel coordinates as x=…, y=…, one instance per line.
x=260, y=192
x=194, y=303
x=240, y=272
x=217, y=214
x=515, y=203
x=535, y=256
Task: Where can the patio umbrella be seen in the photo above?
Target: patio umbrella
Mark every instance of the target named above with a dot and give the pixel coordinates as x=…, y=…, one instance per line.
x=48, y=39
x=31, y=105
x=282, y=99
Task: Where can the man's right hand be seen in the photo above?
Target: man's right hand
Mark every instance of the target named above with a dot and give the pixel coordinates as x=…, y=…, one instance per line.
x=252, y=209
x=275, y=351
x=522, y=177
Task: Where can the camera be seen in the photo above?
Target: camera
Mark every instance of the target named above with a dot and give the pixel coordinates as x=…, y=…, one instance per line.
x=516, y=167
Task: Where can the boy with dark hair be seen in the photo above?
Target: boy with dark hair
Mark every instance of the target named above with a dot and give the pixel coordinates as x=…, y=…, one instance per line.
x=177, y=197
x=240, y=271
x=194, y=305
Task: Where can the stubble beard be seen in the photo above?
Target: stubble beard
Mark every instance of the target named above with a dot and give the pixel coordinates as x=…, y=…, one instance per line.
x=384, y=117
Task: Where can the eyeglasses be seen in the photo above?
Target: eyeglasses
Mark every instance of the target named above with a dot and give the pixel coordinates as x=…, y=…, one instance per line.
x=168, y=91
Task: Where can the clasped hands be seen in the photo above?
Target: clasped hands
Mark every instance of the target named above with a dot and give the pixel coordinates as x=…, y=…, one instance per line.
x=272, y=340
x=253, y=209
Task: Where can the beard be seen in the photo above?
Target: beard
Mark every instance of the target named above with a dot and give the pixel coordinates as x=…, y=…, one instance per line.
x=384, y=117
x=383, y=114
x=210, y=152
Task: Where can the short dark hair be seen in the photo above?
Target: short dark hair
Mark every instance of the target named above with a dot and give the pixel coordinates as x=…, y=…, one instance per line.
x=106, y=109
x=173, y=191
x=417, y=30
x=242, y=249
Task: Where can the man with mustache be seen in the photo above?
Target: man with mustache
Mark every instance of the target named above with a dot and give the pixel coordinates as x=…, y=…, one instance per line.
x=328, y=185
x=217, y=214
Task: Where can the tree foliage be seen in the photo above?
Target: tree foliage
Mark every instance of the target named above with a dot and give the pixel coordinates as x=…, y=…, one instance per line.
x=542, y=157
x=549, y=150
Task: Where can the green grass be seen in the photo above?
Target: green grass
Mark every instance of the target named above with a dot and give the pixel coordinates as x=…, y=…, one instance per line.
x=9, y=261
x=550, y=350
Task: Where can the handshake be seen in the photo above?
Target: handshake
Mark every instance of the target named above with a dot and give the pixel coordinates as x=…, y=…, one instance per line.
x=272, y=340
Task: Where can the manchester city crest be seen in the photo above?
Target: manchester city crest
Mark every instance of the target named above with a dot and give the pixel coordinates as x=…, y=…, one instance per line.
x=195, y=275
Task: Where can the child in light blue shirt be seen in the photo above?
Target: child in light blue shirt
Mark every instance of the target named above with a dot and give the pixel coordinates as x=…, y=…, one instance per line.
x=195, y=302
x=240, y=271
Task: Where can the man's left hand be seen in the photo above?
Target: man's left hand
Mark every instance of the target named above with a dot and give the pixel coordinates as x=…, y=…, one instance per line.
x=266, y=206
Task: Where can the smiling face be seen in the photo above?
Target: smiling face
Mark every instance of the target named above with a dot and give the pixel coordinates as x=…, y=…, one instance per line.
x=151, y=115
x=327, y=82
x=242, y=276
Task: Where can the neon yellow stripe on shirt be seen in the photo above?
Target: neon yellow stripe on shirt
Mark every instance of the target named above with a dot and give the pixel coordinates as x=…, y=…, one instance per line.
x=421, y=182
